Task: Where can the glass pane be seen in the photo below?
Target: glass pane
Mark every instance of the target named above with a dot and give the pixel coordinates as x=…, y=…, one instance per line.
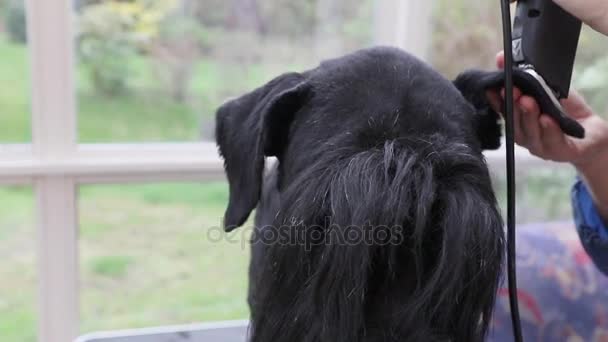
x=156, y=70
x=18, y=288
x=470, y=30
x=154, y=255
x=476, y=46
x=14, y=68
x=591, y=70
x=543, y=193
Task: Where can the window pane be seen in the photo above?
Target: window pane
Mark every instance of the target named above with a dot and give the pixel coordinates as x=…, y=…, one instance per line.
x=156, y=70
x=543, y=193
x=154, y=255
x=17, y=269
x=14, y=97
x=470, y=30
x=591, y=70
x=476, y=46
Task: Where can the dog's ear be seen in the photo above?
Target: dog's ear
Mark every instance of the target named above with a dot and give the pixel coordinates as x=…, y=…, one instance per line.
x=473, y=85
x=249, y=128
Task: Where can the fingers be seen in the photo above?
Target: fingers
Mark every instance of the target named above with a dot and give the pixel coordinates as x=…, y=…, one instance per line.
x=527, y=128
x=518, y=117
x=518, y=134
x=557, y=146
x=500, y=60
x=495, y=100
x=528, y=104
x=554, y=139
x=530, y=124
x=538, y=132
x=574, y=105
x=517, y=94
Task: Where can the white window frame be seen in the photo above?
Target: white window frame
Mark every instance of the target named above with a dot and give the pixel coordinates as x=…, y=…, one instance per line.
x=56, y=164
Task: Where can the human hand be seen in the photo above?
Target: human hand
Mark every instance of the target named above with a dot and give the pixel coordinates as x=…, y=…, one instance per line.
x=542, y=136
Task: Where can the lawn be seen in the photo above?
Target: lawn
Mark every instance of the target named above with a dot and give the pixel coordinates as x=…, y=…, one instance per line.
x=149, y=255
x=144, y=113
x=14, y=101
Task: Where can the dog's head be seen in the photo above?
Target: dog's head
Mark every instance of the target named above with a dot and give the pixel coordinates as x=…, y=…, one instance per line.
x=375, y=138
x=356, y=99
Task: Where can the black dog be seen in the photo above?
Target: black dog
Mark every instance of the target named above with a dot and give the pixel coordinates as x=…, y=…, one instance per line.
x=379, y=222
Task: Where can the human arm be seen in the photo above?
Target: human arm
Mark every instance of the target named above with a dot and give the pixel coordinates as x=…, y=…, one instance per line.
x=592, y=12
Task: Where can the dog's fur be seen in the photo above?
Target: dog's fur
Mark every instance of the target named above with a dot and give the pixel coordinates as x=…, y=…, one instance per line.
x=373, y=140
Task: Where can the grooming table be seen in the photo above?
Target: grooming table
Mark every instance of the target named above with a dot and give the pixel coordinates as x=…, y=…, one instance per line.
x=229, y=331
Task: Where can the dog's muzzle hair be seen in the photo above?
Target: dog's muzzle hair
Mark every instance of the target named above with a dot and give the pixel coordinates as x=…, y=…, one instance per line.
x=378, y=222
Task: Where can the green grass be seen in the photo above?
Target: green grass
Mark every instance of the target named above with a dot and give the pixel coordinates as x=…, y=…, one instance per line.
x=19, y=326
x=14, y=98
x=148, y=256
x=18, y=285
x=113, y=266
x=144, y=113
x=149, y=259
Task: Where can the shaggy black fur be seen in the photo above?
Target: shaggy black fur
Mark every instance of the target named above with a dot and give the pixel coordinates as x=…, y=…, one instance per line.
x=377, y=144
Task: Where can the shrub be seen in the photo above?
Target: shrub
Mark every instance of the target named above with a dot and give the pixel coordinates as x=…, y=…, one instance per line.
x=176, y=50
x=105, y=46
x=111, y=33
x=15, y=22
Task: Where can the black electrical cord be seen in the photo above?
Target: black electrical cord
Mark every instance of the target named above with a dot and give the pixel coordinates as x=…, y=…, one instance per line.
x=509, y=133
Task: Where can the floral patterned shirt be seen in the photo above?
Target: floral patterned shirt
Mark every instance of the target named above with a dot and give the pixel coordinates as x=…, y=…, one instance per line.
x=563, y=294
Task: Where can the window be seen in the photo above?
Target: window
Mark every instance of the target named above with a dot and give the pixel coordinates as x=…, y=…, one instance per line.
x=157, y=70
x=542, y=191
x=14, y=99
x=153, y=255
x=167, y=94
x=110, y=93
x=591, y=70
x=18, y=267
